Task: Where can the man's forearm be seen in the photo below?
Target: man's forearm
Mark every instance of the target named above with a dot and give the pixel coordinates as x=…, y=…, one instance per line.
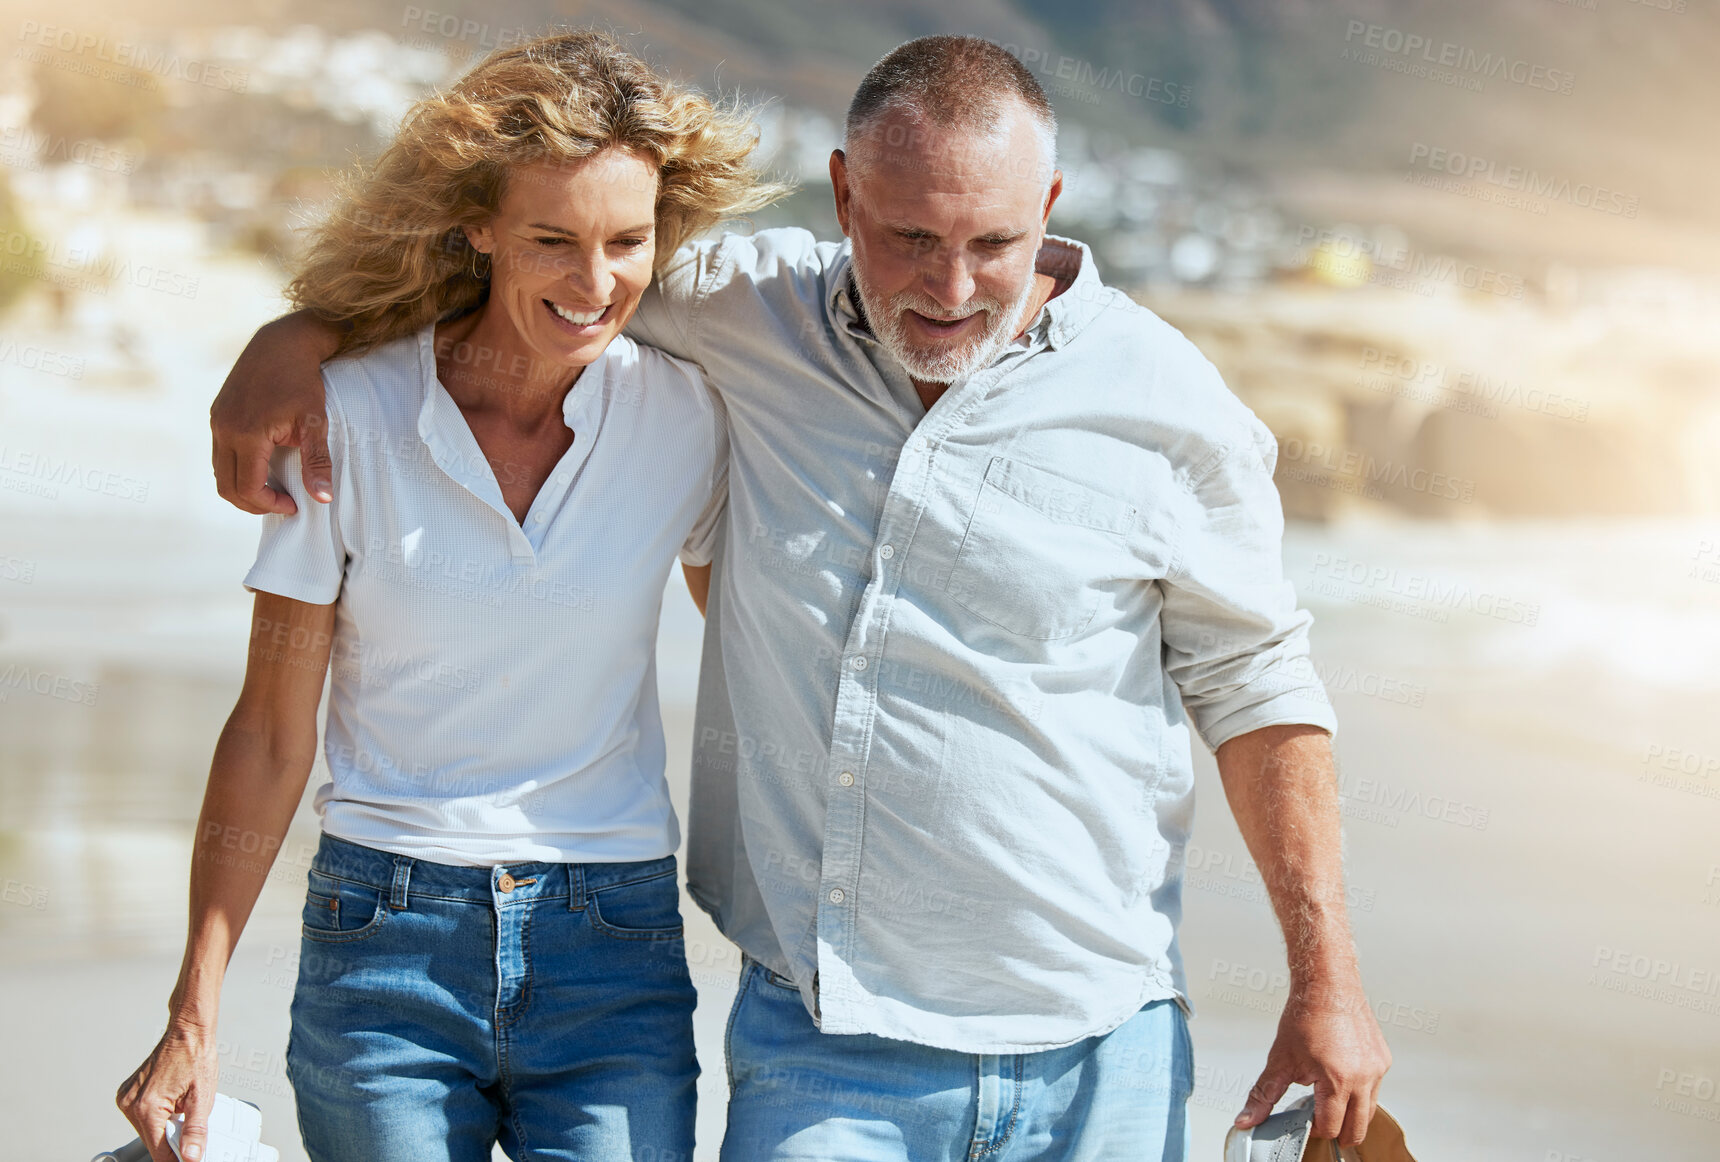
x=305, y=333
x=1283, y=791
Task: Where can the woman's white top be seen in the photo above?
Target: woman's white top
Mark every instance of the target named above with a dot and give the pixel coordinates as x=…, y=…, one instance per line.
x=493, y=696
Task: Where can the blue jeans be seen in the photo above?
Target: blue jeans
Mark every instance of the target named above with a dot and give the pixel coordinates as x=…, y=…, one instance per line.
x=798, y=1095
x=442, y=1009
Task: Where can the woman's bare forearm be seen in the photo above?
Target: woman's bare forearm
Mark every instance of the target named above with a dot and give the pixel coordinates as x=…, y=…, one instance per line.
x=262, y=762
x=252, y=794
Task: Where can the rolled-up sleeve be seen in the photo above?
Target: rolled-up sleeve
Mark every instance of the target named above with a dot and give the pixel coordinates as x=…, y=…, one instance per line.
x=1235, y=642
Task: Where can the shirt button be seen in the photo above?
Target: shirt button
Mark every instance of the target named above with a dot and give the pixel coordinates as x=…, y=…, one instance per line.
x=563, y=478
x=505, y=882
x=538, y=518
x=859, y=663
x=846, y=778
x=837, y=895
x=887, y=552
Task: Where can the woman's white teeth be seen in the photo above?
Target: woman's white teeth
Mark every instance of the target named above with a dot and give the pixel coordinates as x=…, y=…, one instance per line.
x=576, y=318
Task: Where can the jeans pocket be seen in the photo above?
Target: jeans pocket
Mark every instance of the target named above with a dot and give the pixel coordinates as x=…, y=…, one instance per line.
x=337, y=911
x=647, y=909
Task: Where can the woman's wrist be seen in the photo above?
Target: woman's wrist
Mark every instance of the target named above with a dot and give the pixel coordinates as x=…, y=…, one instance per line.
x=192, y=1017
x=195, y=1001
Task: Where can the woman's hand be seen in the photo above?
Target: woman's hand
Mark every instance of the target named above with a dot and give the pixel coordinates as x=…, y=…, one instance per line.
x=180, y=1076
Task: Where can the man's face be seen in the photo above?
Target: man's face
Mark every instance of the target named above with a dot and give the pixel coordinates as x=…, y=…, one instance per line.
x=945, y=225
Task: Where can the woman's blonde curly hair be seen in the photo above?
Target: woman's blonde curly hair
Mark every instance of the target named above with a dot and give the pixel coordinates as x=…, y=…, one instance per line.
x=393, y=255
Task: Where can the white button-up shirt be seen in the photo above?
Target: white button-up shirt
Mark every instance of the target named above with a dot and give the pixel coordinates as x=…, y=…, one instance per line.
x=942, y=773
x=494, y=690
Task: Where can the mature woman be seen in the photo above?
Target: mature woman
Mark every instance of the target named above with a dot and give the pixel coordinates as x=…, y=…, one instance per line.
x=491, y=946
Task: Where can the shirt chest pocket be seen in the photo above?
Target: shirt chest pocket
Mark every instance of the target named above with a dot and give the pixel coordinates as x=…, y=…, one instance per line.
x=1034, y=547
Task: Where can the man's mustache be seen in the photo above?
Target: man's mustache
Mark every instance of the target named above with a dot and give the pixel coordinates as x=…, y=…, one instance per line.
x=911, y=302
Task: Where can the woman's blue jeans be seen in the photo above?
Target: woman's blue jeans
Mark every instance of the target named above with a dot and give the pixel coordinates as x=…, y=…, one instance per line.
x=442, y=1009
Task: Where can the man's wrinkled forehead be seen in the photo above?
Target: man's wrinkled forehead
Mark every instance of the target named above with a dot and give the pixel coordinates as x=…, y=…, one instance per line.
x=1005, y=148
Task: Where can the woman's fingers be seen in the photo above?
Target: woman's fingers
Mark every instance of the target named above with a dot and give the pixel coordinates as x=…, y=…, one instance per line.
x=148, y=1110
x=180, y=1076
x=199, y=1100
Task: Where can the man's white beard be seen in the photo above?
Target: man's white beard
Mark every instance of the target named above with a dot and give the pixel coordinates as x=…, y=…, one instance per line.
x=944, y=363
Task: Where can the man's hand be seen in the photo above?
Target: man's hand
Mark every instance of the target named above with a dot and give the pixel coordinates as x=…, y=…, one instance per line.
x=1283, y=790
x=1327, y=1038
x=274, y=397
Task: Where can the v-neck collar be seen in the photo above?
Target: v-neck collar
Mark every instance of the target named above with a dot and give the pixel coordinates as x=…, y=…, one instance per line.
x=443, y=428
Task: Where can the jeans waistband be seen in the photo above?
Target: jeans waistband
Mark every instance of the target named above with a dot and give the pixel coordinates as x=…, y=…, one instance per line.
x=403, y=876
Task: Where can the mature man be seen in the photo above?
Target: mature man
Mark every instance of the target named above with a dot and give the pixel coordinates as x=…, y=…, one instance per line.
x=997, y=538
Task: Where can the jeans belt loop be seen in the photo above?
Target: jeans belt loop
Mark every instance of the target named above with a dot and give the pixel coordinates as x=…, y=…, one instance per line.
x=575, y=888
x=402, y=873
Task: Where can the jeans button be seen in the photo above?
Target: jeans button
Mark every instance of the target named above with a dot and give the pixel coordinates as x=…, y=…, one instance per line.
x=505, y=882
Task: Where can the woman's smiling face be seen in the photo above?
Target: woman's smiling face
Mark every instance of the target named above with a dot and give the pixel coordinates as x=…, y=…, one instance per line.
x=570, y=249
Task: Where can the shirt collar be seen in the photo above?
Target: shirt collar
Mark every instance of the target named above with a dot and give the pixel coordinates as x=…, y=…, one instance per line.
x=1060, y=320
x=434, y=409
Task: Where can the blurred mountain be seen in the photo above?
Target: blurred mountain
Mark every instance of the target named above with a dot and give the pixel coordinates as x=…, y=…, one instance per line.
x=1269, y=87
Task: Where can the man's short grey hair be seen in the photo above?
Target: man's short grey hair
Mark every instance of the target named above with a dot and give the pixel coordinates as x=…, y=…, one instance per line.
x=953, y=82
